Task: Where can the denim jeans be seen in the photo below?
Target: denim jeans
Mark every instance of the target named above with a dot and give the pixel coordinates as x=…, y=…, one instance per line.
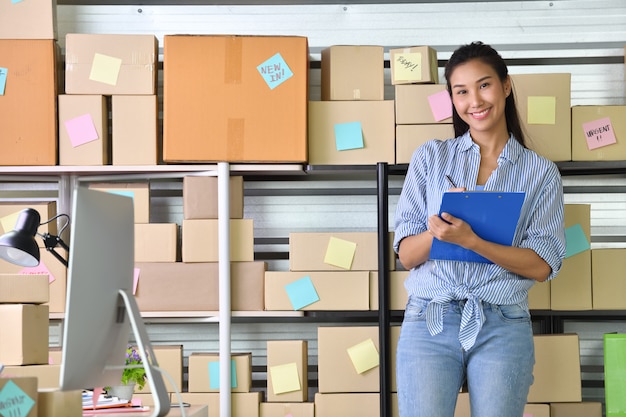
x=498, y=368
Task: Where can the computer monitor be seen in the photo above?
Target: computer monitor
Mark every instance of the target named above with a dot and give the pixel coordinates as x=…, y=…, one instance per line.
x=100, y=309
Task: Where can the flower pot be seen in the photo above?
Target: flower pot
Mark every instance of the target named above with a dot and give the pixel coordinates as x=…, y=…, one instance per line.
x=123, y=392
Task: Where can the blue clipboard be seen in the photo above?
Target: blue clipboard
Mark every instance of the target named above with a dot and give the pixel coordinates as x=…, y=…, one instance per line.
x=492, y=215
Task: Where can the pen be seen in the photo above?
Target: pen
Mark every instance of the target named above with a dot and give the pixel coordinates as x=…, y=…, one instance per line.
x=451, y=182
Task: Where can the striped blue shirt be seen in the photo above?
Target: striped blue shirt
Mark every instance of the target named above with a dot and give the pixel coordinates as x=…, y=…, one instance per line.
x=540, y=228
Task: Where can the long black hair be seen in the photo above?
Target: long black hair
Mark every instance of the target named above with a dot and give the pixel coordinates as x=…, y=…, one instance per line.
x=489, y=56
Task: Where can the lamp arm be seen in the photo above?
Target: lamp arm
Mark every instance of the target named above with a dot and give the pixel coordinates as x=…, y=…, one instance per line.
x=51, y=242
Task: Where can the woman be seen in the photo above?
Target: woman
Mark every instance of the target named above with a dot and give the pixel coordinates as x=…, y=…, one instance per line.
x=467, y=321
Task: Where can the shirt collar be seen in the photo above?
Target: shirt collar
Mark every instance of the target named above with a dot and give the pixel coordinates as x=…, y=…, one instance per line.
x=512, y=150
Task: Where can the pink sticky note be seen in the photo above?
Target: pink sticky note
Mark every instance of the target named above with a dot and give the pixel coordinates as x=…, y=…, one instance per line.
x=135, y=280
x=81, y=130
x=599, y=133
x=440, y=105
x=40, y=269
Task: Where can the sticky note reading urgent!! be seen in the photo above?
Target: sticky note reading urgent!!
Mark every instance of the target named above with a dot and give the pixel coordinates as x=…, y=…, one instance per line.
x=575, y=240
x=14, y=401
x=301, y=293
x=364, y=356
x=408, y=67
x=81, y=130
x=541, y=110
x=105, y=69
x=348, y=136
x=285, y=378
x=214, y=375
x=275, y=71
x=599, y=133
x=3, y=80
x=340, y=252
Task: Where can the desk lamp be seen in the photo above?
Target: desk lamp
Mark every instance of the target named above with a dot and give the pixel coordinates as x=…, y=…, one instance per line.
x=19, y=246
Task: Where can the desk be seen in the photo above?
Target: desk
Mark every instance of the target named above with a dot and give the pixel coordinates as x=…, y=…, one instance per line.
x=193, y=411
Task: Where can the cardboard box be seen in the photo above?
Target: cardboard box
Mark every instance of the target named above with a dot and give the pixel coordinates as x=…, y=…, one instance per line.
x=614, y=374
x=590, y=127
x=23, y=391
x=414, y=65
x=200, y=197
x=337, y=290
x=337, y=128
x=23, y=334
x=413, y=104
x=24, y=289
x=398, y=296
x=243, y=404
x=544, y=102
x=287, y=369
x=54, y=403
x=156, y=242
x=608, y=285
x=557, y=369
x=287, y=409
x=110, y=64
x=307, y=251
x=170, y=359
x=337, y=372
x=134, y=129
x=9, y=213
x=585, y=409
x=204, y=372
x=138, y=191
x=571, y=289
x=47, y=375
x=55, y=355
x=200, y=242
x=411, y=137
x=84, y=130
x=179, y=286
x=235, y=98
x=539, y=296
x=353, y=72
x=347, y=405
x=30, y=89
x=33, y=19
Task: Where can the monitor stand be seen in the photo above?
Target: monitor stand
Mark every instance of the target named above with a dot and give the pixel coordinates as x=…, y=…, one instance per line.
x=159, y=392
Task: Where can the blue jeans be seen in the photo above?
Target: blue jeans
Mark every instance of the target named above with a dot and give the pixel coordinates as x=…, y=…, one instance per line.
x=498, y=368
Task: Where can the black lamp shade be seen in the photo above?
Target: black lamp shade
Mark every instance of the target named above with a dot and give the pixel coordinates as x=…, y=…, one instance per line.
x=19, y=246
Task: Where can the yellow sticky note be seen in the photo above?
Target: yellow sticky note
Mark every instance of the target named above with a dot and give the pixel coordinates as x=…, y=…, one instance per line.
x=105, y=69
x=340, y=253
x=8, y=222
x=364, y=356
x=541, y=110
x=408, y=67
x=285, y=378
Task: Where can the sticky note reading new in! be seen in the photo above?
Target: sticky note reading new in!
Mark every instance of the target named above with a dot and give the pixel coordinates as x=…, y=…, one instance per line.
x=364, y=356
x=214, y=375
x=275, y=71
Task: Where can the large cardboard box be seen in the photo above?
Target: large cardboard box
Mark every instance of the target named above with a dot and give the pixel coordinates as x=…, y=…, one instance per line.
x=351, y=132
x=557, y=369
x=413, y=65
x=156, y=242
x=336, y=290
x=178, y=286
x=170, y=359
x=353, y=72
x=413, y=104
x=24, y=289
x=584, y=409
x=544, y=103
x=287, y=409
x=200, y=242
x=204, y=372
x=398, y=296
x=23, y=334
x=287, y=371
x=608, y=281
x=110, y=64
x=243, y=404
x=9, y=213
x=28, y=132
x=47, y=375
x=411, y=137
x=571, y=289
x=32, y=19
x=200, y=197
x=20, y=397
x=56, y=403
x=235, y=98
x=340, y=251
x=598, y=133
x=134, y=130
x=84, y=130
x=614, y=374
x=348, y=359
x=138, y=191
x=347, y=405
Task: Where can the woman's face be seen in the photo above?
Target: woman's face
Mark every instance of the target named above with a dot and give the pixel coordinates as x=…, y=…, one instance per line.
x=479, y=98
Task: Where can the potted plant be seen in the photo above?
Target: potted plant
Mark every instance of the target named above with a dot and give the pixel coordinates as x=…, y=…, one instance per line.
x=134, y=375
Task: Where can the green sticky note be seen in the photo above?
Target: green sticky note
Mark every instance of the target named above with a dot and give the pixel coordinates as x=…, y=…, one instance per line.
x=541, y=110
x=340, y=253
x=364, y=356
x=214, y=375
x=575, y=240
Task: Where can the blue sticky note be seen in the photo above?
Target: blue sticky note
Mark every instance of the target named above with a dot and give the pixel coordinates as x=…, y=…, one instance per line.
x=575, y=240
x=348, y=136
x=275, y=71
x=214, y=375
x=15, y=402
x=301, y=293
x=3, y=80
x=125, y=193
x=16, y=1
